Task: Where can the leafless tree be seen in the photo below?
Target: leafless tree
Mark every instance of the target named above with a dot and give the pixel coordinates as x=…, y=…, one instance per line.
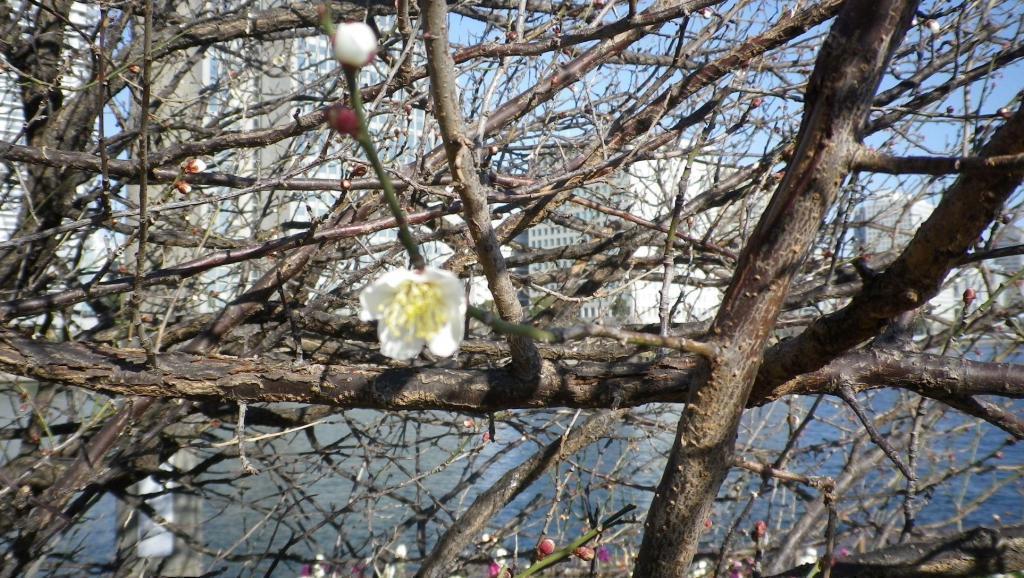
x=190, y=237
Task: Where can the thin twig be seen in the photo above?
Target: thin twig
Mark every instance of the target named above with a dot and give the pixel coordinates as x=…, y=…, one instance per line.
x=846, y=392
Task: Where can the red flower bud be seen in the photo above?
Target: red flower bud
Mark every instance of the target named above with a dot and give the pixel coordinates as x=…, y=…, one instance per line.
x=760, y=529
x=708, y=523
x=585, y=553
x=756, y=102
x=343, y=119
x=545, y=547
x=969, y=296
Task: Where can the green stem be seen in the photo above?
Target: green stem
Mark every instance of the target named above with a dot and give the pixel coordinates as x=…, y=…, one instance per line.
x=507, y=328
x=364, y=140
x=559, y=555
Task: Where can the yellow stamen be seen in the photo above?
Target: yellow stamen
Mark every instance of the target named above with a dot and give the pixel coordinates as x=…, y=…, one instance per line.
x=418, y=308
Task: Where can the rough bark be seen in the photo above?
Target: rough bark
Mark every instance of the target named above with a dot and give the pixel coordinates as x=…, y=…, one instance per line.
x=846, y=75
x=943, y=241
x=977, y=552
x=578, y=385
x=526, y=362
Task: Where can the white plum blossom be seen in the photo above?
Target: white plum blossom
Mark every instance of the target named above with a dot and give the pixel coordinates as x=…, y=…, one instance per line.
x=416, y=308
x=355, y=44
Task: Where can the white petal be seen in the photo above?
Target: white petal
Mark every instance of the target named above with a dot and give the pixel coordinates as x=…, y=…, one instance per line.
x=381, y=292
x=451, y=287
x=447, y=340
x=400, y=347
x=354, y=43
x=396, y=277
x=372, y=298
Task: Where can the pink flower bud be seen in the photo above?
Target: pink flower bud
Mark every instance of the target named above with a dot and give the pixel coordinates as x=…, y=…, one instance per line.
x=584, y=553
x=544, y=548
x=969, y=296
x=760, y=529
x=343, y=119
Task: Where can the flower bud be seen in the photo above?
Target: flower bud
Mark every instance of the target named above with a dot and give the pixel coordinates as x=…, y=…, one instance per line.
x=1005, y=113
x=585, y=553
x=194, y=166
x=760, y=529
x=756, y=102
x=544, y=548
x=969, y=295
x=343, y=119
x=933, y=26
x=183, y=187
x=355, y=44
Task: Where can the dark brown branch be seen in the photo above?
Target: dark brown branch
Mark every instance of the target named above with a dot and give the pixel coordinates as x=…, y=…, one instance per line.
x=578, y=385
x=846, y=392
x=978, y=552
x=466, y=178
x=32, y=305
x=845, y=78
x=967, y=208
x=874, y=161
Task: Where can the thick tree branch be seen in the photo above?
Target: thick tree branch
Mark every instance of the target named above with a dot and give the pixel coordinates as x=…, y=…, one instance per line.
x=967, y=208
x=575, y=384
x=846, y=75
x=978, y=552
x=465, y=176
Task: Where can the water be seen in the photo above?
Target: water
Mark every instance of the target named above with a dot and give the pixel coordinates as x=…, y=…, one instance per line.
x=359, y=504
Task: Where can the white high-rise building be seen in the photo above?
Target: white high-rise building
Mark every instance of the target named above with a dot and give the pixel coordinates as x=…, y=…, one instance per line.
x=887, y=221
x=647, y=189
